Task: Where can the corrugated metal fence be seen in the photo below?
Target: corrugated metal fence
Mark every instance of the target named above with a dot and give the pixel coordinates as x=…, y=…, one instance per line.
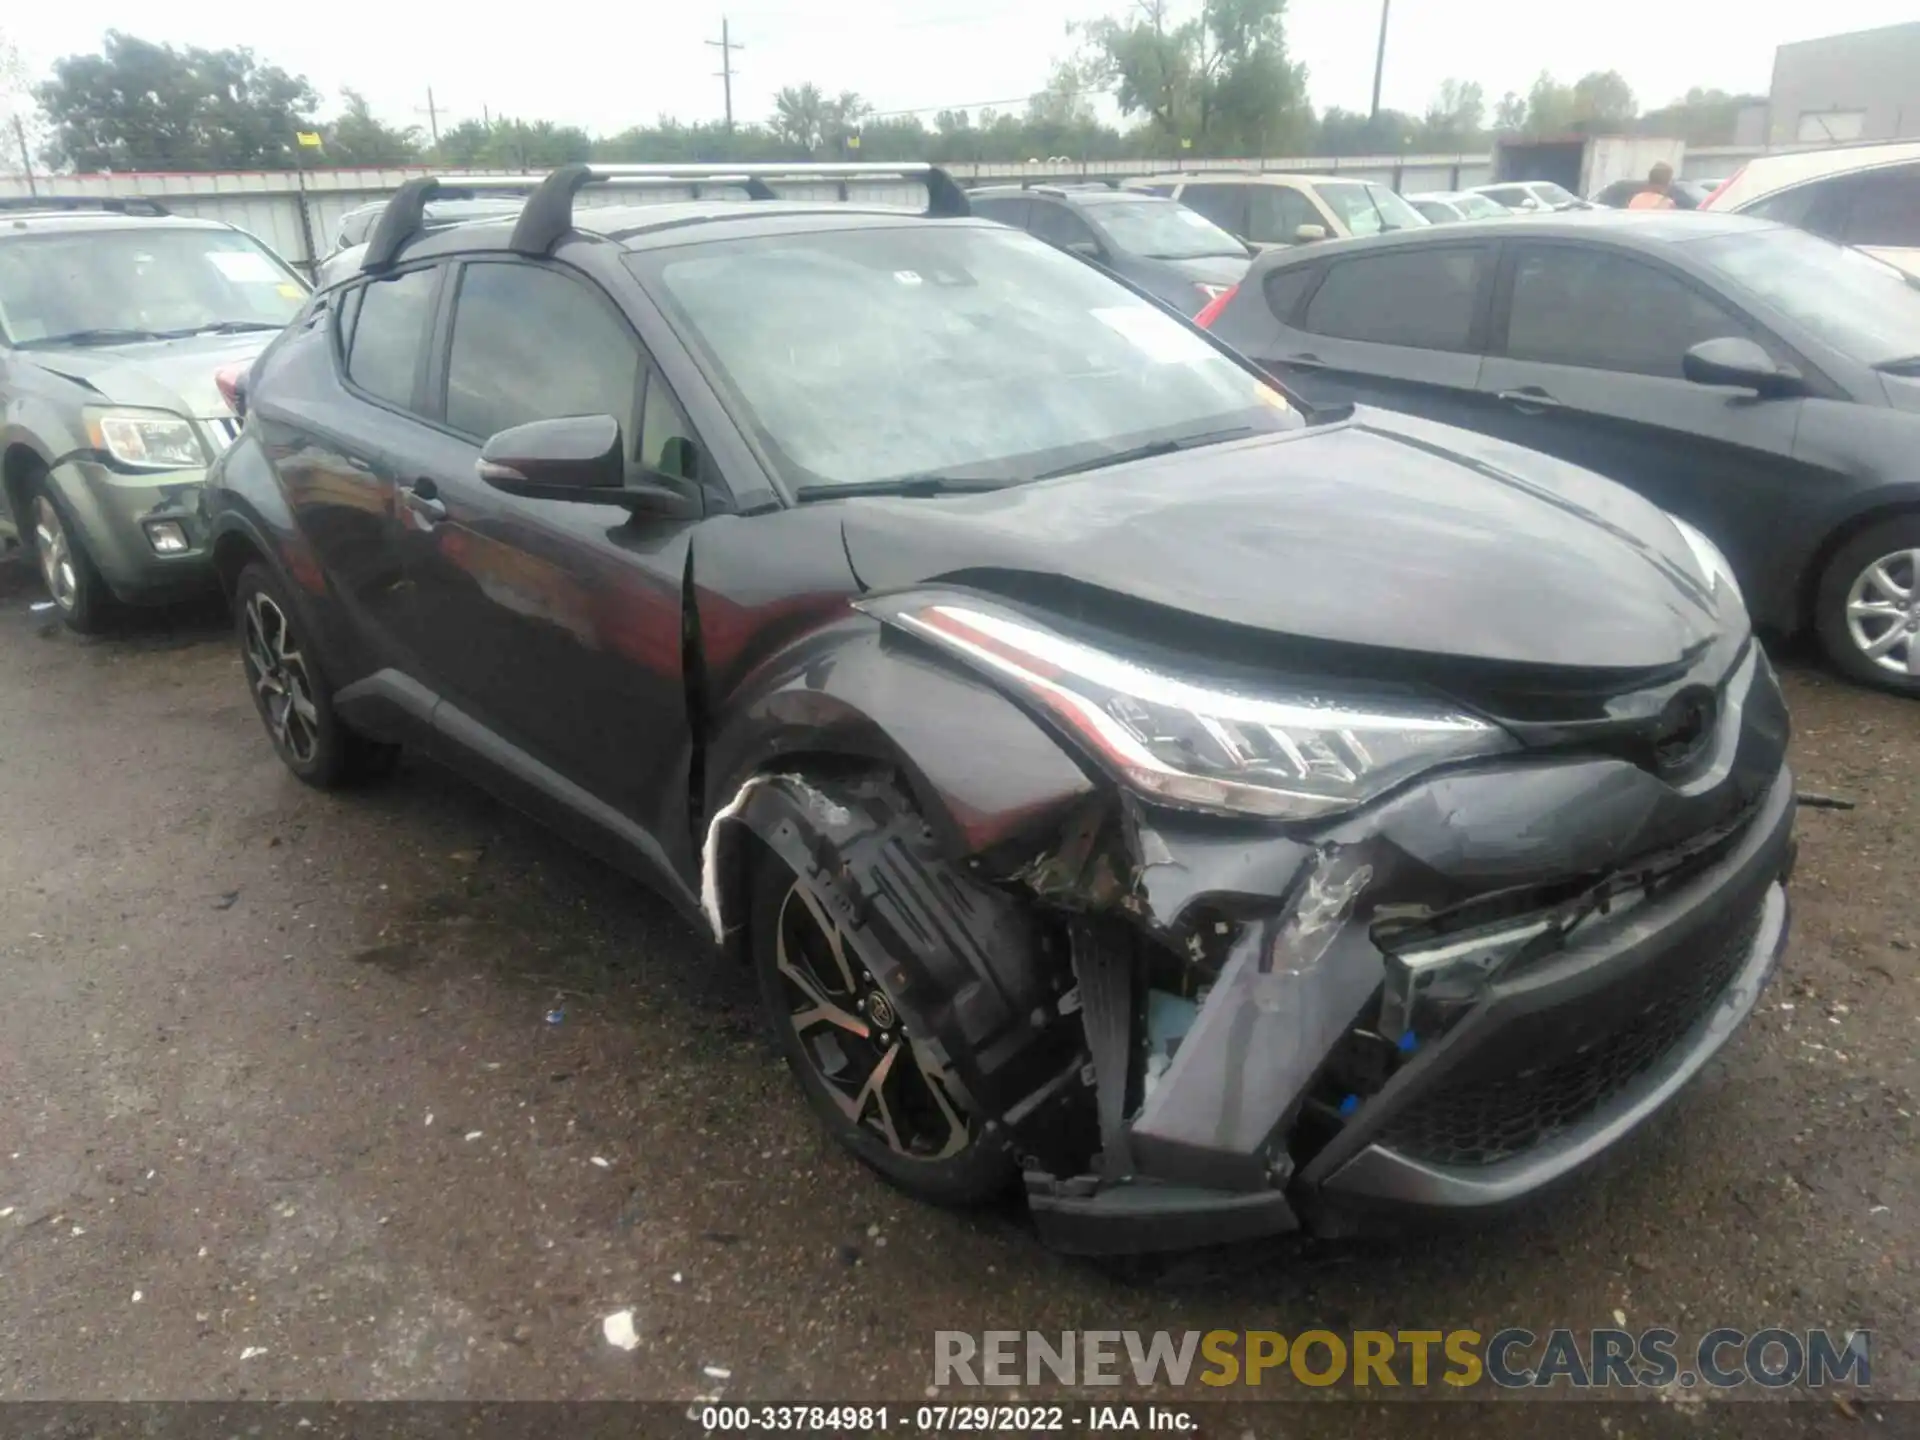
x=298, y=212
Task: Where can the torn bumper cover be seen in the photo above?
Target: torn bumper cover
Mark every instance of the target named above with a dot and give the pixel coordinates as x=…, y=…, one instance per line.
x=1191, y=1029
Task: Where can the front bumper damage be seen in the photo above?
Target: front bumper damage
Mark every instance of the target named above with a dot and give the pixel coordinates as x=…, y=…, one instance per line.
x=1220, y=1030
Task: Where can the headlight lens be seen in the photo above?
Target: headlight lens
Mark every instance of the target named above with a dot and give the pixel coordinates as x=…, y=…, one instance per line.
x=1713, y=565
x=1296, y=756
x=146, y=439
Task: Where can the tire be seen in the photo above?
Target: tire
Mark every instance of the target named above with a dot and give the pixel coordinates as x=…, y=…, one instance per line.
x=73, y=582
x=293, y=698
x=1867, y=609
x=935, y=1162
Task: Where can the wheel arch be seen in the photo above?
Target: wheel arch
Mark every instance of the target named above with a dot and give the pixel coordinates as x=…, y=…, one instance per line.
x=853, y=701
x=1807, y=590
x=19, y=467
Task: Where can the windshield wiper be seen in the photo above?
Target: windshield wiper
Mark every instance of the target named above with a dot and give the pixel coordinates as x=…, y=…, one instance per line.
x=103, y=336
x=914, y=486
x=1148, y=451
x=221, y=327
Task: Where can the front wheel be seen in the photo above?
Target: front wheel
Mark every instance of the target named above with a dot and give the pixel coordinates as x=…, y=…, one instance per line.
x=73, y=584
x=293, y=697
x=1867, y=611
x=879, y=1090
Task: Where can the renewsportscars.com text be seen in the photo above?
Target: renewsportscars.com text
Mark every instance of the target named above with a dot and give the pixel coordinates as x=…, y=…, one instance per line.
x=1512, y=1358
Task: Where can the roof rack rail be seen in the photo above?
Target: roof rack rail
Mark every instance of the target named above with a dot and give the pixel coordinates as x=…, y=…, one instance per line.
x=106, y=204
x=549, y=213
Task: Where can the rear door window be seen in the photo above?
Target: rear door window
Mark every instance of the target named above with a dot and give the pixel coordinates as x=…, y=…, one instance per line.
x=1576, y=305
x=1423, y=296
x=1057, y=225
x=1285, y=289
x=389, y=335
x=1225, y=205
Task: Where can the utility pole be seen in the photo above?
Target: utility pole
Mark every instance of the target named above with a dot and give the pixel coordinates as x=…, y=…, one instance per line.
x=26, y=162
x=1380, y=58
x=726, y=47
x=433, y=116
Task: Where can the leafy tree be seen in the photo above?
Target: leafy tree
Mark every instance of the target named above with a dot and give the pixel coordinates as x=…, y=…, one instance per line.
x=1348, y=132
x=1456, y=118
x=1221, y=81
x=354, y=137
x=800, y=116
x=1510, y=115
x=141, y=106
x=1595, y=103
x=16, y=103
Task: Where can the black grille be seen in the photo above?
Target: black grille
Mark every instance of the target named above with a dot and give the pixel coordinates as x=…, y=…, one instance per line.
x=1550, y=1071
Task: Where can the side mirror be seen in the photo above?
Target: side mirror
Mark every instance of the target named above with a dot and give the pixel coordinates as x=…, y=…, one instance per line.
x=1086, y=249
x=1307, y=234
x=1736, y=360
x=578, y=458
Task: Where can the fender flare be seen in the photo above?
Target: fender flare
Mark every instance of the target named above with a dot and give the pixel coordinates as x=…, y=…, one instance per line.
x=981, y=772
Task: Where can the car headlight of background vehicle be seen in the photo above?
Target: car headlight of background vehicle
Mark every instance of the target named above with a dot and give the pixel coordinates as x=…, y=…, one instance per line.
x=146, y=439
x=1296, y=755
x=1713, y=565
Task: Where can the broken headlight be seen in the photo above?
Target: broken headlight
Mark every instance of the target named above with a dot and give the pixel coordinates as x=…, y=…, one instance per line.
x=1297, y=755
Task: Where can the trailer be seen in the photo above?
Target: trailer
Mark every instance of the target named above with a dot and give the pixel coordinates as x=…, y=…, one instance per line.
x=1585, y=164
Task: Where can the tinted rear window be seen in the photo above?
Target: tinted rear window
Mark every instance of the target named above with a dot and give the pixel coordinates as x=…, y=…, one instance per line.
x=1422, y=296
x=389, y=328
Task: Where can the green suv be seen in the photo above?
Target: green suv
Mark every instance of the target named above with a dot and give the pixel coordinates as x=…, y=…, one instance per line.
x=123, y=332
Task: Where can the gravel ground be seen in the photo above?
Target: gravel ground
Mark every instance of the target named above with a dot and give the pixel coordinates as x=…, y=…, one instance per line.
x=394, y=1095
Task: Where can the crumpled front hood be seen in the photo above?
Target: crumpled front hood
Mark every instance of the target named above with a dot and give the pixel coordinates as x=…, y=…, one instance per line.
x=1386, y=532
x=174, y=375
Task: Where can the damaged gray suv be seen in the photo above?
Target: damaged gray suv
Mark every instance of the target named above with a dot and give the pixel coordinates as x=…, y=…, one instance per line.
x=1215, y=816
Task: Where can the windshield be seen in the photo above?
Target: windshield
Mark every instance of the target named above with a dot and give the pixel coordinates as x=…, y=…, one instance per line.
x=1553, y=194
x=100, y=285
x=1163, y=230
x=864, y=355
x=1479, y=207
x=1860, y=306
x=1368, y=209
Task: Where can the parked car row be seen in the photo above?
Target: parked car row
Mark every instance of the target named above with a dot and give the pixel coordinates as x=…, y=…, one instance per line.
x=1758, y=381
x=116, y=324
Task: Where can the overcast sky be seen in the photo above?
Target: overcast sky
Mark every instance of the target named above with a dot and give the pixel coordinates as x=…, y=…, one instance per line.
x=606, y=66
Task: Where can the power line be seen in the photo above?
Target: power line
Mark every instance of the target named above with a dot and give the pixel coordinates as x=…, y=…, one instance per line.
x=726, y=47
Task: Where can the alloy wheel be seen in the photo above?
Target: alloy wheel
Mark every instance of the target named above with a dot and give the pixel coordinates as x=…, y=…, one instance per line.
x=278, y=673
x=1883, y=612
x=50, y=543
x=855, y=1040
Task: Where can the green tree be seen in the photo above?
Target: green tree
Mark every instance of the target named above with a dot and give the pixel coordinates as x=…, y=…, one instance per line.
x=1510, y=115
x=354, y=137
x=1456, y=118
x=1700, y=117
x=800, y=116
x=141, y=106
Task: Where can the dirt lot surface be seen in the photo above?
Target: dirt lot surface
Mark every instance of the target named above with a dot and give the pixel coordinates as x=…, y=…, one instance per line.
x=393, y=1095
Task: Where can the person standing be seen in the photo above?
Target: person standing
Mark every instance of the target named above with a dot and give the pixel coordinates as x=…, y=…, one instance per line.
x=1657, y=193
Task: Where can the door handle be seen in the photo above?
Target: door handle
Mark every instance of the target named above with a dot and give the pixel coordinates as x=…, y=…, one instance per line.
x=423, y=498
x=1530, y=400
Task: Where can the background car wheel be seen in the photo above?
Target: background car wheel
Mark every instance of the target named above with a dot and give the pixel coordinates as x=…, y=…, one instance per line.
x=1867, y=611
x=78, y=593
x=875, y=1088
x=292, y=696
